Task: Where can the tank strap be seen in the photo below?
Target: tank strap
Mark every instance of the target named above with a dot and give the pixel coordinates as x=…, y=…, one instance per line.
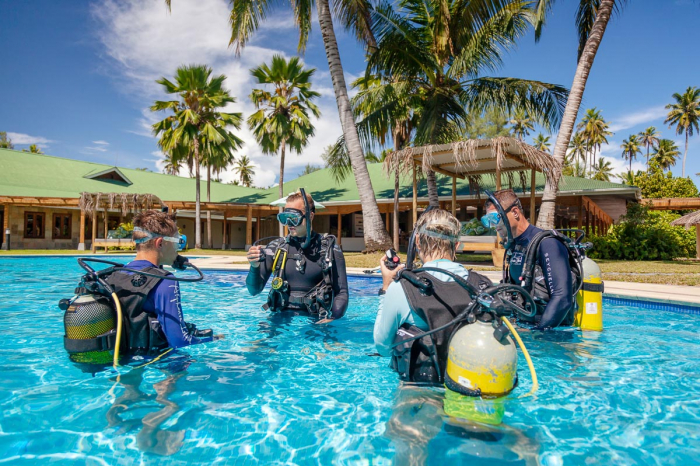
x=594, y=287
x=104, y=342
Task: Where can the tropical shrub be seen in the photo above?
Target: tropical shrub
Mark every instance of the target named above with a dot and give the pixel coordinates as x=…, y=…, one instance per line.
x=656, y=184
x=644, y=235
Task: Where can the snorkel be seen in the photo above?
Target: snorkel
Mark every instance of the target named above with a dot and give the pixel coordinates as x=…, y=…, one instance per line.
x=307, y=216
x=508, y=241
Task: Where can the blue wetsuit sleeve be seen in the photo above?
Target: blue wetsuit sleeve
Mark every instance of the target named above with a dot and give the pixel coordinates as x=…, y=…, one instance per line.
x=258, y=276
x=553, y=258
x=340, y=285
x=164, y=300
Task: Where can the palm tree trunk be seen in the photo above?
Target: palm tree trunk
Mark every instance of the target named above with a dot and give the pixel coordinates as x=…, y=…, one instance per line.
x=433, y=199
x=647, y=159
x=281, y=187
x=209, y=242
x=583, y=69
x=686, y=152
x=197, y=211
x=376, y=236
x=396, y=209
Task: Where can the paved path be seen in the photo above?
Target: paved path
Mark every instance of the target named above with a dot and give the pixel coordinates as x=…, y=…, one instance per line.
x=645, y=291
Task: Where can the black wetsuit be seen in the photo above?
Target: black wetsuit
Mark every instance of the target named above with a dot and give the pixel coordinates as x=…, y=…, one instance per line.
x=553, y=259
x=310, y=277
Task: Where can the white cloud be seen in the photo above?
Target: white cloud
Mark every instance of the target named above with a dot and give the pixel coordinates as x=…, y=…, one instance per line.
x=633, y=119
x=21, y=138
x=95, y=148
x=101, y=143
x=145, y=42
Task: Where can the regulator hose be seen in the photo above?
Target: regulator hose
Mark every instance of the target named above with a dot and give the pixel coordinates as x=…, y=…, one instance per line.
x=117, y=266
x=533, y=374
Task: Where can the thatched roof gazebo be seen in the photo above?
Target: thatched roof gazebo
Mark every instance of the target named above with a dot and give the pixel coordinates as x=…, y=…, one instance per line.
x=474, y=158
x=687, y=221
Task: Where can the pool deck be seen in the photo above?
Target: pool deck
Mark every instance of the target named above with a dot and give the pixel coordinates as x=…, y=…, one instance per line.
x=673, y=294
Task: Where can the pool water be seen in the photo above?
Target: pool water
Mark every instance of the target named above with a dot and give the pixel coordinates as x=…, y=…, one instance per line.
x=285, y=391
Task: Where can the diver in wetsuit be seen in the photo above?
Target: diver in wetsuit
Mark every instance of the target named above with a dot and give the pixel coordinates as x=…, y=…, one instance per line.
x=308, y=268
x=553, y=286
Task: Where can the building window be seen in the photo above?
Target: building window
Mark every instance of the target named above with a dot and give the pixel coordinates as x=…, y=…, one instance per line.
x=62, y=226
x=34, y=224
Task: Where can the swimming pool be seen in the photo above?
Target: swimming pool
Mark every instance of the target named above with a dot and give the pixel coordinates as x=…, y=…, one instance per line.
x=284, y=391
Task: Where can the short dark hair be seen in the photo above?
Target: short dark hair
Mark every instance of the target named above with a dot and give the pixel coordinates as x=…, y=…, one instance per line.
x=296, y=196
x=507, y=198
x=155, y=221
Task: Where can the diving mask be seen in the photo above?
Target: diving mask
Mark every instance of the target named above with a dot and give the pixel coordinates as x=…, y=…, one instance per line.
x=179, y=240
x=291, y=217
x=491, y=219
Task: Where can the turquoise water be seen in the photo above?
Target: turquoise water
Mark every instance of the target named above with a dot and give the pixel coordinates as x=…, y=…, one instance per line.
x=285, y=391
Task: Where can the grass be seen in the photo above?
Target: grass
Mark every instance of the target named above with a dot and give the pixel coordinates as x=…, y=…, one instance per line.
x=681, y=272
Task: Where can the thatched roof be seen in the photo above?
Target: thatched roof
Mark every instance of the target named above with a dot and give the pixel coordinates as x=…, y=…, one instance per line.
x=126, y=202
x=688, y=220
x=471, y=159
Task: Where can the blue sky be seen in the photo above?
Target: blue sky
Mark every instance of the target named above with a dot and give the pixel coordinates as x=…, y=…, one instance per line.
x=78, y=77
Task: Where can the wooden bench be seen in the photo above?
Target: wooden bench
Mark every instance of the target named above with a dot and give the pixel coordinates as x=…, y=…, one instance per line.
x=112, y=242
x=483, y=244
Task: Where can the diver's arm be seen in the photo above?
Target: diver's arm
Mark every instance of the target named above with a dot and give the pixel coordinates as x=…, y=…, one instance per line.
x=340, y=285
x=393, y=312
x=554, y=261
x=168, y=309
x=258, y=276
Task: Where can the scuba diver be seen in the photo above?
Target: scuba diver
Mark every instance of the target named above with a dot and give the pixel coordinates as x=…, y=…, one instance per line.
x=546, y=263
x=146, y=299
x=308, y=268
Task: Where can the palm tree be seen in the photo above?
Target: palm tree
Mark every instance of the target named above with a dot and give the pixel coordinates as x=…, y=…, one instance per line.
x=522, y=125
x=628, y=178
x=172, y=165
x=666, y=154
x=282, y=118
x=245, y=170
x=354, y=15
x=217, y=159
x=595, y=131
x=578, y=148
x=602, y=170
x=649, y=138
x=541, y=142
x=685, y=114
x=196, y=120
x=439, y=50
x=630, y=148
x=592, y=20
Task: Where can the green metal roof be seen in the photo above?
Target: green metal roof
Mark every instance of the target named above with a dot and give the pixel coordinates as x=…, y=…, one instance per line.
x=27, y=174
x=39, y=175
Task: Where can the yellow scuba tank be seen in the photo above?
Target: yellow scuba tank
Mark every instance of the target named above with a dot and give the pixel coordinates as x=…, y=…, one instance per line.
x=88, y=317
x=589, y=300
x=479, y=364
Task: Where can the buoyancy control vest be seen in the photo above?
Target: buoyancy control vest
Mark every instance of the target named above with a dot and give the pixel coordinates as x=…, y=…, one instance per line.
x=319, y=299
x=424, y=359
x=90, y=318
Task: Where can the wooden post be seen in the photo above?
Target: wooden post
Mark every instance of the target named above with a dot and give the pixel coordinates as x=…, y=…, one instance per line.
x=94, y=231
x=697, y=241
x=249, y=227
x=5, y=227
x=533, y=205
x=588, y=221
x=454, y=196
x=224, y=241
x=579, y=222
x=498, y=175
x=106, y=228
x=340, y=230
x=388, y=222
x=81, y=243
x=415, y=196
x=257, y=227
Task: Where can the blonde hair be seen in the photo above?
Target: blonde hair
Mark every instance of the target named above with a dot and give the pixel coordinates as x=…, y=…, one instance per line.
x=160, y=223
x=296, y=196
x=437, y=233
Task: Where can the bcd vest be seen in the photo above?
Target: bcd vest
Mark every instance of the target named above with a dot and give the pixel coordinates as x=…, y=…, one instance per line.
x=425, y=359
x=142, y=330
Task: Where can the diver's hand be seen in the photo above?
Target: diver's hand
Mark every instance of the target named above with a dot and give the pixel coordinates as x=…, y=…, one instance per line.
x=388, y=275
x=218, y=337
x=253, y=256
x=324, y=321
